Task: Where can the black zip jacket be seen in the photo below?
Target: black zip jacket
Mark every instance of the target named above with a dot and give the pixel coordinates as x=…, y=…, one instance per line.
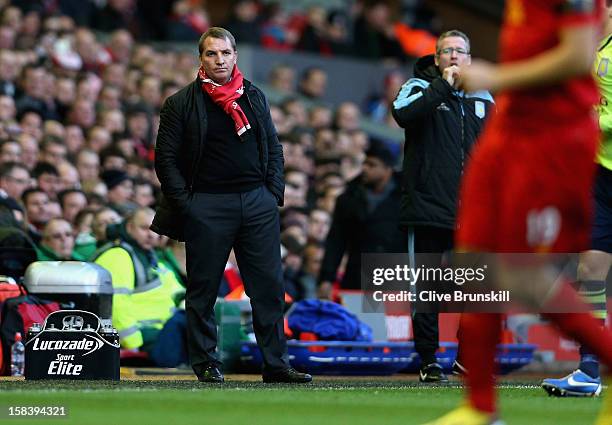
x=355, y=231
x=441, y=125
x=178, y=152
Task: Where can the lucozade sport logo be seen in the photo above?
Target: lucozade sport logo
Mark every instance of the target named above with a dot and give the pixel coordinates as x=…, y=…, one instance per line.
x=88, y=343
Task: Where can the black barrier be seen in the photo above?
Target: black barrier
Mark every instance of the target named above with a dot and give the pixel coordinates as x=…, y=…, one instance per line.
x=72, y=344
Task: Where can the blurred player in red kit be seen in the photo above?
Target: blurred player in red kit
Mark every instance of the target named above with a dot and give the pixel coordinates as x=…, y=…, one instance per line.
x=527, y=188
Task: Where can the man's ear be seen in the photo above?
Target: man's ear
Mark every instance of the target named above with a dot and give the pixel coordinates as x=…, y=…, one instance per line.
x=436, y=61
x=469, y=59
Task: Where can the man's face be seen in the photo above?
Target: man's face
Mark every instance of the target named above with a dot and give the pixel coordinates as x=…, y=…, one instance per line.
x=114, y=163
x=218, y=59
x=73, y=203
x=139, y=230
x=37, y=208
x=452, y=51
x=59, y=237
x=143, y=195
x=11, y=152
x=29, y=150
x=316, y=84
x=8, y=66
x=121, y=193
x=7, y=108
x=15, y=182
x=69, y=176
x=88, y=166
x=50, y=184
x=319, y=225
x=35, y=82
x=54, y=153
x=102, y=220
x=373, y=171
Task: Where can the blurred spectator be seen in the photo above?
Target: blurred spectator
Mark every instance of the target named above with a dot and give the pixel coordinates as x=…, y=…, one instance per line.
x=314, y=37
x=57, y=242
x=88, y=166
x=53, y=150
x=143, y=193
x=277, y=33
x=7, y=37
x=72, y=202
x=320, y=117
x=116, y=14
x=244, y=22
x=112, y=158
x=313, y=255
x=120, y=46
x=110, y=98
x=29, y=150
x=149, y=91
x=14, y=180
x=8, y=111
x=9, y=70
x=379, y=106
x=68, y=175
x=319, y=223
x=296, y=112
x=38, y=211
x=85, y=243
x=313, y=83
x=347, y=117
x=282, y=78
x=374, y=35
x=366, y=219
x=102, y=219
x=10, y=151
x=31, y=123
x=120, y=190
x=34, y=95
x=98, y=138
x=187, y=22
x=47, y=179
x=82, y=114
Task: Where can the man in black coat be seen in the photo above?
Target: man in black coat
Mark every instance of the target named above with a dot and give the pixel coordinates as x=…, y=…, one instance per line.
x=442, y=123
x=366, y=219
x=220, y=165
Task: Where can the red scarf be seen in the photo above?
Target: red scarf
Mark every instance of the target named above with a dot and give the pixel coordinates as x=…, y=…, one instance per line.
x=226, y=96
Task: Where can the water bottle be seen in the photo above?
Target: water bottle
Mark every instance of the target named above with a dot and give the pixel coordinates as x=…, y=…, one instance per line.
x=17, y=356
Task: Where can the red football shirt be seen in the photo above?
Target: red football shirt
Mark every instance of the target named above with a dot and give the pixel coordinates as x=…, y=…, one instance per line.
x=532, y=27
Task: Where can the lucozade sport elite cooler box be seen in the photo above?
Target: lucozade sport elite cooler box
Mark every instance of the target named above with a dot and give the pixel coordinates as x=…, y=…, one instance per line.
x=72, y=344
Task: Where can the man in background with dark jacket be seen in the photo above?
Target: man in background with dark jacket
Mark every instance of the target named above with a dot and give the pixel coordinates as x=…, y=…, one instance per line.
x=442, y=123
x=366, y=218
x=220, y=165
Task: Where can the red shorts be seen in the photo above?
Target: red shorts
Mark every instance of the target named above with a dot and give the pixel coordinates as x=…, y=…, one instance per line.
x=528, y=191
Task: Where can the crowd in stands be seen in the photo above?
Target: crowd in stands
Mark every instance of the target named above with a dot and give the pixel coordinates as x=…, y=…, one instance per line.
x=79, y=114
x=368, y=29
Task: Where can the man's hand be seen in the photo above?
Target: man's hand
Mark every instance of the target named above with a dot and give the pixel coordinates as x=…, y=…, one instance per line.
x=452, y=74
x=480, y=75
x=324, y=292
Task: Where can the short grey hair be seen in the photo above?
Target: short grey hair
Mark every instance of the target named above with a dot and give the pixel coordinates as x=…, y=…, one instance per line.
x=216, y=32
x=452, y=33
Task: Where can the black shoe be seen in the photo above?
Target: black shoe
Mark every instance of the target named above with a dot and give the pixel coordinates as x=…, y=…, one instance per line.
x=459, y=369
x=432, y=373
x=211, y=374
x=288, y=376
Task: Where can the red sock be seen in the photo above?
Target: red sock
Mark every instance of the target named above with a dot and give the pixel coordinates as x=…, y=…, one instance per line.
x=479, y=337
x=581, y=327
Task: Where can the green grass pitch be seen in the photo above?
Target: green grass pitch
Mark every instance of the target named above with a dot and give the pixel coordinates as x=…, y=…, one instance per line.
x=325, y=402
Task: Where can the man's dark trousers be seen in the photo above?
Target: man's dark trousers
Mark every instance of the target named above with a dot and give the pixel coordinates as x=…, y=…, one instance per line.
x=249, y=223
x=434, y=241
